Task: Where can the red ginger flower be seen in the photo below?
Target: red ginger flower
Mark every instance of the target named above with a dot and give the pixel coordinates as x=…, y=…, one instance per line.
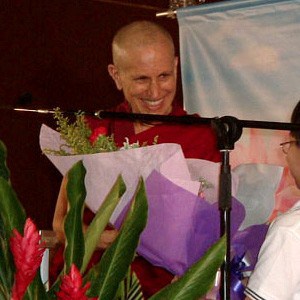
x=27, y=252
x=71, y=287
x=96, y=133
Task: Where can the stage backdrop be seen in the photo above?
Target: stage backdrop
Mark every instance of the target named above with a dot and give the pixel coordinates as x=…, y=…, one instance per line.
x=241, y=58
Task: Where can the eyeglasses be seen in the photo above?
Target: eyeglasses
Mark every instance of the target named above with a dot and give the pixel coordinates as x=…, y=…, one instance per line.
x=287, y=145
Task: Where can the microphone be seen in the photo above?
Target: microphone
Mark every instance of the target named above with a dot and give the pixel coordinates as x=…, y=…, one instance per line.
x=186, y=119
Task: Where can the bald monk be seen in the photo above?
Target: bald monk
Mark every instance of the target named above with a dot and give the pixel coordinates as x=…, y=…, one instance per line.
x=144, y=68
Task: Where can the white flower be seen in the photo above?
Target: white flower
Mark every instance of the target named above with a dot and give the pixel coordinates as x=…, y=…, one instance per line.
x=127, y=145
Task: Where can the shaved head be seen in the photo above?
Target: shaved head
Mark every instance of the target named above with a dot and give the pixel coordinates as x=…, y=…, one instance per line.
x=138, y=35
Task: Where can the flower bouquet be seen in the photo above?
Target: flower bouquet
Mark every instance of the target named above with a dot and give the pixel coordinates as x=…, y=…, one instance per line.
x=21, y=249
x=183, y=218
x=154, y=163
x=103, y=160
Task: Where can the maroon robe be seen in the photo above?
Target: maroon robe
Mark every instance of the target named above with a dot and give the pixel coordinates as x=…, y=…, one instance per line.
x=197, y=141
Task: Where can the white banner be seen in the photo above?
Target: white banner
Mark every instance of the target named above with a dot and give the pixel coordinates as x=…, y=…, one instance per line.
x=241, y=59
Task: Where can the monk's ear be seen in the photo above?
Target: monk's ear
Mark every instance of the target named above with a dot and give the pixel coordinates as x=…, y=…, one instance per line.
x=114, y=73
x=175, y=64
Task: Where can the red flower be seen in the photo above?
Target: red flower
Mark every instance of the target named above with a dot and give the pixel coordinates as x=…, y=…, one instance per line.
x=71, y=287
x=96, y=133
x=27, y=253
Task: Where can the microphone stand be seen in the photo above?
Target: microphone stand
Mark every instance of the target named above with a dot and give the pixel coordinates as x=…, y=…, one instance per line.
x=228, y=130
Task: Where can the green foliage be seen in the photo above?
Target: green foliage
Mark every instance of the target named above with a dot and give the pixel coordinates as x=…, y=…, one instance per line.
x=76, y=192
x=101, y=219
x=129, y=288
x=36, y=290
x=6, y=269
x=111, y=270
x=12, y=212
x=76, y=136
x=4, y=172
x=80, y=139
x=199, y=279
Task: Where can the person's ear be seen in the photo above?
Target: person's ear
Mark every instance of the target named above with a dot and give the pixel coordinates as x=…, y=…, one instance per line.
x=114, y=73
x=176, y=65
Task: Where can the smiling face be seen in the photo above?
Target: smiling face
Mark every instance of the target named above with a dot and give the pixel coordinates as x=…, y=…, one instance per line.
x=147, y=77
x=145, y=69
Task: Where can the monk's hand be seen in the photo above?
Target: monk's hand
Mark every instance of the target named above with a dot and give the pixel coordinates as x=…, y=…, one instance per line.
x=175, y=278
x=107, y=238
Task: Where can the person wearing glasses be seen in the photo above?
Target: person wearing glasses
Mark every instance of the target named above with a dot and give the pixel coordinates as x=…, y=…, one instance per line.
x=277, y=272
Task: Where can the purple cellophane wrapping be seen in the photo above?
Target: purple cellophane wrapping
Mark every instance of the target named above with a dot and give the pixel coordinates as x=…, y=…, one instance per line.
x=181, y=226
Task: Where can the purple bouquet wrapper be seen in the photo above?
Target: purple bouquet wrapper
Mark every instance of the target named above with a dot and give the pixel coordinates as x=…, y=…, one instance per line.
x=245, y=247
x=249, y=241
x=181, y=226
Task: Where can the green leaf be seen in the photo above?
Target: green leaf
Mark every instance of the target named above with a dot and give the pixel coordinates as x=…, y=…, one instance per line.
x=6, y=269
x=36, y=290
x=106, y=276
x=12, y=212
x=76, y=192
x=199, y=279
x=4, y=171
x=130, y=288
x=101, y=219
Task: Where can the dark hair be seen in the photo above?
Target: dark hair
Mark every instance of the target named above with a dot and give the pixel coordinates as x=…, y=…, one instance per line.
x=295, y=118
